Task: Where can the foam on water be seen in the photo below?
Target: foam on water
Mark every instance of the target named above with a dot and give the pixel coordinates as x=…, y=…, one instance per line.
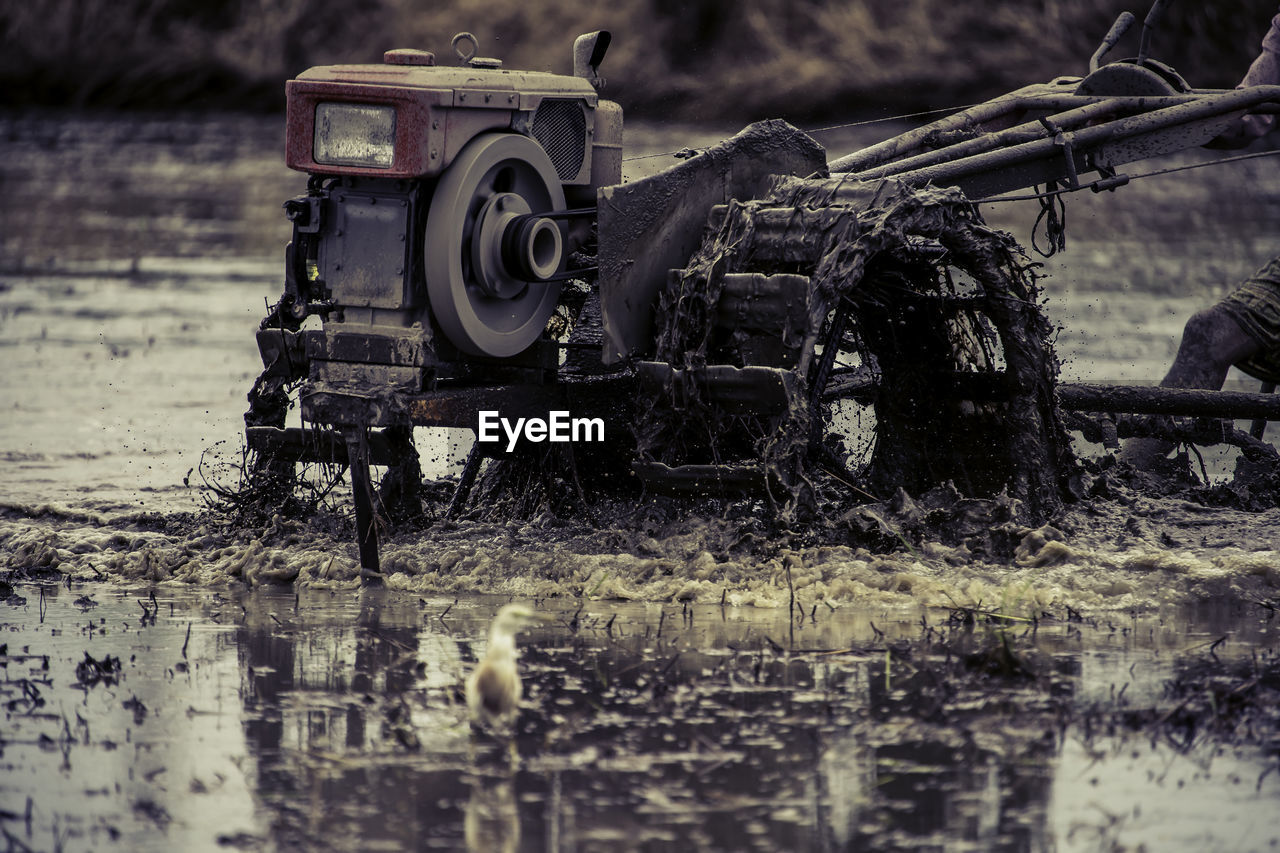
x=1050, y=570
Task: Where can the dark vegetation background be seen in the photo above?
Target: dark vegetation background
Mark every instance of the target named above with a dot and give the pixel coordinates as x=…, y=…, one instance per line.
x=700, y=60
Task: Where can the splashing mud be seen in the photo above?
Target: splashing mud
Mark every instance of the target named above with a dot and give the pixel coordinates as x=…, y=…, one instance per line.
x=1131, y=552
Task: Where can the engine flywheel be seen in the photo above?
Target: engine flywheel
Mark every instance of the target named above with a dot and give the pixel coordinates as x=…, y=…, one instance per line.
x=488, y=254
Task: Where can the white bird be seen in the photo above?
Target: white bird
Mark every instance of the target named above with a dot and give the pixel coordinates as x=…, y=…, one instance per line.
x=493, y=688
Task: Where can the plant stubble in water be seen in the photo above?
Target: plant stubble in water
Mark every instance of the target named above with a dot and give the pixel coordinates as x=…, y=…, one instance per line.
x=334, y=720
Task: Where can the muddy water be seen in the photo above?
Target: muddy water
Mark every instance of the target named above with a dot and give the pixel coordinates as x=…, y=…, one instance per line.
x=135, y=258
x=315, y=721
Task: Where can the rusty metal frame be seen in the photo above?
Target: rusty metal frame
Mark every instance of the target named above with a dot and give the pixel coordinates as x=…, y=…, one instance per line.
x=457, y=406
x=1041, y=133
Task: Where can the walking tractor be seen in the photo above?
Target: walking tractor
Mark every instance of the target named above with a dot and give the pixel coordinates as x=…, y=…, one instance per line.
x=468, y=246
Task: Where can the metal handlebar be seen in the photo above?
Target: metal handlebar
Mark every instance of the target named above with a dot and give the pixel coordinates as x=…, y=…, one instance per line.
x=1148, y=27
x=1118, y=29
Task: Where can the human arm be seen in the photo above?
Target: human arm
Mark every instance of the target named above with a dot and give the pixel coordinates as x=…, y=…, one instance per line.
x=1265, y=71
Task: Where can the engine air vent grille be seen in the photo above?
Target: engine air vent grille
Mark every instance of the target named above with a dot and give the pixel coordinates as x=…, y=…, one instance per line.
x=560, y=127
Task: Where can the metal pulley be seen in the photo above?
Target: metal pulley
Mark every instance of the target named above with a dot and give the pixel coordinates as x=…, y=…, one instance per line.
x=490, y=259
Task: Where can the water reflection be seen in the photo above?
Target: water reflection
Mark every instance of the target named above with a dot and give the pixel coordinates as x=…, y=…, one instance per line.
x=492, y=820
x=679, y=727
x=335, y=721
x=322, y=690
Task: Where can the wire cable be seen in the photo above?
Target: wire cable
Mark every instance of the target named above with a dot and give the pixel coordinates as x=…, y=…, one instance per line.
x=1040, y=196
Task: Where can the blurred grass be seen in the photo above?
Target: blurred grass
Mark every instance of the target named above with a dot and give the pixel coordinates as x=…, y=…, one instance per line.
x=700, y=60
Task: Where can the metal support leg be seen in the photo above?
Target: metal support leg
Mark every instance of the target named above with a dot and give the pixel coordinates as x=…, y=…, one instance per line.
x=1259, y=425
x=363, y=493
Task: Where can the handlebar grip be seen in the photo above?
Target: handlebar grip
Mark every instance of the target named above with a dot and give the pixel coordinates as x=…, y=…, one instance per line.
x=1149, y=27
x=1119, y=28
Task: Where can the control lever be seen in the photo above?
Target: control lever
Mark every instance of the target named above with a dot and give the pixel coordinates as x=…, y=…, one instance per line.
x=1118, y=29
x=1148, y=27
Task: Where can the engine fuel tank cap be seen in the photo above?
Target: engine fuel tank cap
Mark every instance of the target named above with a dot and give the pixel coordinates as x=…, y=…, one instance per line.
x=409, y=56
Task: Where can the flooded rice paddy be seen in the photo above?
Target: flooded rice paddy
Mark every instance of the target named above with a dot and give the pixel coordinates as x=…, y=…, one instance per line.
x=173, y=681
x=313, y=720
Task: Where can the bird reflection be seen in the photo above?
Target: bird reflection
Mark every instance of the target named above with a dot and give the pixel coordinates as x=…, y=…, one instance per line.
x=493, y=689
x=492, y=824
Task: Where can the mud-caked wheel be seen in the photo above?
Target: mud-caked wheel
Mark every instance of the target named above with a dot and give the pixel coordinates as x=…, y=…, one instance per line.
x=830, y=299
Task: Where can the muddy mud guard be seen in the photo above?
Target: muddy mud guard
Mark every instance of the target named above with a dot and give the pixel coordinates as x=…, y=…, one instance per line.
x=653, y=225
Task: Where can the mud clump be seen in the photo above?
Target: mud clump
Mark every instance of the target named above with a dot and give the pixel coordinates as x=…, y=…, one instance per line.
x=91, y=671
x=984, y=527
x=574, y=483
